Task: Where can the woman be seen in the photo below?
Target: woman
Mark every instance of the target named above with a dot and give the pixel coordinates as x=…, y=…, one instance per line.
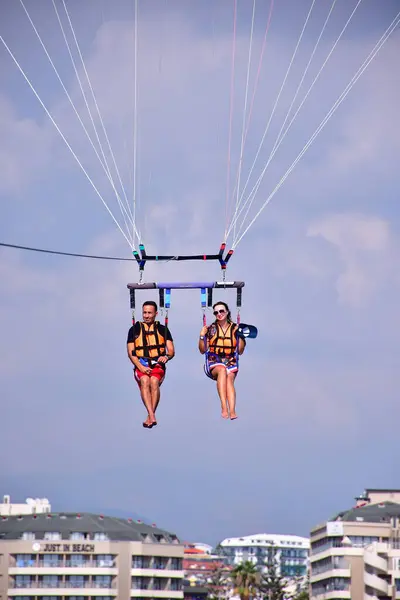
x=220, y=342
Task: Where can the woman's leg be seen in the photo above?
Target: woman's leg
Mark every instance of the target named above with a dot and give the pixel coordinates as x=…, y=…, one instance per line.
x=219, y=373
x=231, y=394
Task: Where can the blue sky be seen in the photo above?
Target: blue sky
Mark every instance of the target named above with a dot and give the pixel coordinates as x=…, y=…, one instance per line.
x=317, y=391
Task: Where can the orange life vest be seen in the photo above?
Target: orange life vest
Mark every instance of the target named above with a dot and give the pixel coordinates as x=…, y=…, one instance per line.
x=150, y=343
x=223, y=344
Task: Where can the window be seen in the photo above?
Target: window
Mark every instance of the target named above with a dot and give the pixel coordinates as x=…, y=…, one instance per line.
x=160, y=562
x=50, y=581
x=101, y=537
x=75, y=581
x=77, y=535
x=140, y=583
x=23, y=581
x=28, y=535
x=25, y=560
x=51, y=560
x=102, y=581
x=141, y=562
x=52, y=535
x=176, y=564
x=104, y=560
x=176, y=584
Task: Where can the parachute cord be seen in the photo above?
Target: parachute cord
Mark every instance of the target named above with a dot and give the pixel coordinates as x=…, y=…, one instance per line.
x=280, y=138
x=98, y=111
x=368, y=60
x=257, y=78
x=259, y=66
x=244, y=112
x=230, y=120
x=106, y=170
x=135, y=117
x=64, y=138
x=310, y=61
x=233, y=222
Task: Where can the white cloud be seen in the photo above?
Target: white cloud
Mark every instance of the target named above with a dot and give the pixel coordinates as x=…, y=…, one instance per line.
x=24, y=150
x=364, y=245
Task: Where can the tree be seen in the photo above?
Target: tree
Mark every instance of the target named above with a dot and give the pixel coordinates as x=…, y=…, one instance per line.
x=246, y=580
x=218, y=584
x=304, y=592
x=272, y=583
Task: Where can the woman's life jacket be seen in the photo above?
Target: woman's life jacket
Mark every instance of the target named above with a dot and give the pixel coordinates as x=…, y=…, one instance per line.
x=220, y=343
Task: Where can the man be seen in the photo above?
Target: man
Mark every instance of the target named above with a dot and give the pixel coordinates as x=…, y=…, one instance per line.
x=150, y=346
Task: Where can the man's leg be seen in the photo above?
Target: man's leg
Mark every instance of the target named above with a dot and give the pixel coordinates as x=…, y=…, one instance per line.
x=219, y=373
x=231, y=394
x=155, y=393
x=145, y=393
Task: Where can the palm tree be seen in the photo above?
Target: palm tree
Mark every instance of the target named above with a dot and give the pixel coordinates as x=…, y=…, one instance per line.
x=246, y=580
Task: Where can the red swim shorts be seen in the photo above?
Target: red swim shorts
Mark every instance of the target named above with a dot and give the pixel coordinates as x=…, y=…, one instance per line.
x=157, y=371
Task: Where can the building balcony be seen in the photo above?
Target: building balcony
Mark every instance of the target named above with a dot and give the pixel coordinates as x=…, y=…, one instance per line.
x=135, y=593
x=63, y=570
x=35, y=590
x=332, y=595
x=168, y=573
x=328, y=573
x=376, y=583
x=372, y=559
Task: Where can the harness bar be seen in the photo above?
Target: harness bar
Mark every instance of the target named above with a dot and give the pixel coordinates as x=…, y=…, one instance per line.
x=142, y=257
x=186, y=285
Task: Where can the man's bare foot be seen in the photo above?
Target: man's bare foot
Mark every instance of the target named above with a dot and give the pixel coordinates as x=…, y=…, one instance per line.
x=149, y=422
x=224, y=414
x=233, y=416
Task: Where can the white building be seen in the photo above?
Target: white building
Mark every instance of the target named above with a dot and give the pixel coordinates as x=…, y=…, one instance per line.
x=291, y=552
x=32, y=506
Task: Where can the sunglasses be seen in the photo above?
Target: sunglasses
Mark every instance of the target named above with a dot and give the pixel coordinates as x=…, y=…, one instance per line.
x=221, y=311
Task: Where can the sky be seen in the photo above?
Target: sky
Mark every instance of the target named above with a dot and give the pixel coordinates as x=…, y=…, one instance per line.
x=317, y=392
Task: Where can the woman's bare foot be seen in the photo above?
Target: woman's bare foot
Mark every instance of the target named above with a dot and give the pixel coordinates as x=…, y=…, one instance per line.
x=224, y=414
x=233, y=416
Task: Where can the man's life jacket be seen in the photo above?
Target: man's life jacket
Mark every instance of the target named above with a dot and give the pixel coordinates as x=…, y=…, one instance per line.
x=220, y=343
x=150, y=343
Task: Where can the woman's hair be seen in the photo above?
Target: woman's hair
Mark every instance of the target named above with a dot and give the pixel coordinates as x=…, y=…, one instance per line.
x=229, y=316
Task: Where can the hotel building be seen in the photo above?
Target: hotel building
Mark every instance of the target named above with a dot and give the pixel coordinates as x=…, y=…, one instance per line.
x=290, y=552
x=70, y=556
x=356, y=554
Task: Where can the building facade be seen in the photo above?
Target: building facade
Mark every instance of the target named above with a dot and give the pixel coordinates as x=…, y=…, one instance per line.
x=31, y=506
x=356, y=555
x=291, y=552
x=69, y=556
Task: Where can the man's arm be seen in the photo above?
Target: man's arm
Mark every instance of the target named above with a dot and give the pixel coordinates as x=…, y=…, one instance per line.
x=130, y=347
x=169, y=346
x=134, y=359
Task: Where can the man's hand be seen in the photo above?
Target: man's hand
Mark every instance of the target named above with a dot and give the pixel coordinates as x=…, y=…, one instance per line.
x=145, y=370
x=163, y=359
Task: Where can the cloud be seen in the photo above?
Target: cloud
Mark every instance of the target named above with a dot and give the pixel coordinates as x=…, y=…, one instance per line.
x=365, y=246
x=24, y=151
